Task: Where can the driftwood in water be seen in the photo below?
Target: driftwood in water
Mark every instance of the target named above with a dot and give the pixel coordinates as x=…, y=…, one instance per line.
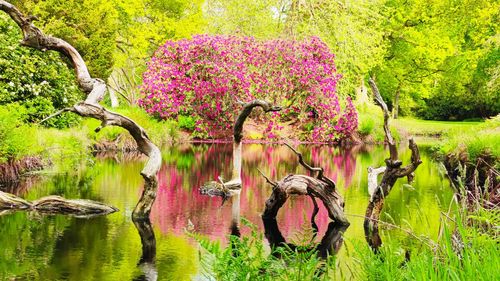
x=392, y=172
x=320, y=187
x=95, y=89
x=56, y=205
x=221, y=188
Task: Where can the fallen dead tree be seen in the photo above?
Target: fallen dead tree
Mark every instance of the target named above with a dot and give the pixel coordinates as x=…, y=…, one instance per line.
x=320, y=187
x=392, y=171
x=55, y=205
x=95, y=90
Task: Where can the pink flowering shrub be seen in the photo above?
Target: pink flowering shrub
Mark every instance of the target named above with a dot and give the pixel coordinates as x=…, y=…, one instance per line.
x=206, y=75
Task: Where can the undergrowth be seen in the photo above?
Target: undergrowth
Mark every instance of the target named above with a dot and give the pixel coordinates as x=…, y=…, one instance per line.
x=249, y=258
x=467, y=248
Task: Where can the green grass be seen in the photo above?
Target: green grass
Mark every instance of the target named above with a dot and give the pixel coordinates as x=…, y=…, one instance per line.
x=418, y=127
x=482, y=139
x=16, y=137
x=70, y=149
x=160, y=132
x=246, y=259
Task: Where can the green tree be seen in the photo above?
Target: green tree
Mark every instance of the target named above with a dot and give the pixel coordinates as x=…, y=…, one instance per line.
x=144, y=26
x=437, y=64
x=352, y=29
x=262, y=19
x=38, y=80
x=469, y=85
x=89, y=25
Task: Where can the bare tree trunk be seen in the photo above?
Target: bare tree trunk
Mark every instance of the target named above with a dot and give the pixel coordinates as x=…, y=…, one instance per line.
x=395, y=107
x=113, y=98
x=147, y=263
x=235, y=212
x=362, y=92
x=95, y=89
x=392, y=172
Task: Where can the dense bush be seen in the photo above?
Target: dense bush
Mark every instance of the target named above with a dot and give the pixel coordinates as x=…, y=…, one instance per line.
x=41, y=81
x=16, y=138
x=91, y=27
x=205, y=77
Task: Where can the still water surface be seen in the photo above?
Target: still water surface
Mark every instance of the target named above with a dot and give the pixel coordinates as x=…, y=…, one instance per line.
x=38, y=247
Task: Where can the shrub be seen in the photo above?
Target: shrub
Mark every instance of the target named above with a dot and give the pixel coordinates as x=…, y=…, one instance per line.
x=40, y=80
x=15, y=137
x=186, y=122
x=366, y=126
x=207, y=75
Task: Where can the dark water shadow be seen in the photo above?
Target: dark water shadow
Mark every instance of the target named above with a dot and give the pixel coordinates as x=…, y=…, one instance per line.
x=330, y=244
x=147, y=263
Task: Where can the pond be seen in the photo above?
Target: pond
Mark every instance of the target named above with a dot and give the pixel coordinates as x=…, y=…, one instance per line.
x=41, y=247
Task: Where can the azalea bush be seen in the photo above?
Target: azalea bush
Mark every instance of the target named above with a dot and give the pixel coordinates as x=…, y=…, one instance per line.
x=205, y=77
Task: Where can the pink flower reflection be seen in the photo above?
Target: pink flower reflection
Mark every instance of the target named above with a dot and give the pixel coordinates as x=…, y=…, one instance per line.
x=179, y=200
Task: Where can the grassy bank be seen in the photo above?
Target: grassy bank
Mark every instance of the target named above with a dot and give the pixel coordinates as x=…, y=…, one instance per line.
x=70, y=148
x=370, y=126
x=467, y=249
x=474, y=141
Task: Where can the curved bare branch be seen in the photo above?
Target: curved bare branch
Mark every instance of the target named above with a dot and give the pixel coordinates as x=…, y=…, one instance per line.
x=95, y=89
x=380, y=102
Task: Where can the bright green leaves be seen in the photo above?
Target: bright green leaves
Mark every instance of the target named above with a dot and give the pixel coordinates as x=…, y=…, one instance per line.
x=40, y=81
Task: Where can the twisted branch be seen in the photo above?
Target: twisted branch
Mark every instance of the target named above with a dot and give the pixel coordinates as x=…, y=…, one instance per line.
x=95, y=89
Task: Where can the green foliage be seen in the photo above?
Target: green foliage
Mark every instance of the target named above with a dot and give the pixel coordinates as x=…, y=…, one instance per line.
x=186, y=122
x=477, y=260
x=40, y=81
x=261, y=19
x=16, y=138
x=161, y=132
x=91, y=26
x=442, y=58
x=145, y=25
x=352, y=29
x=247, y=259
x=366, y=125
x=479, y=140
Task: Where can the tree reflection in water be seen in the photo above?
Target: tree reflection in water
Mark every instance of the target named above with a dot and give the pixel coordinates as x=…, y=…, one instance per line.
x=147, y=263
x=330, y=242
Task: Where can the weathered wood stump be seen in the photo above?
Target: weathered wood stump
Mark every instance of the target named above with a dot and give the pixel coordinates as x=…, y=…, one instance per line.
x=147, y=263
x=221, y=188
x=320, y=187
